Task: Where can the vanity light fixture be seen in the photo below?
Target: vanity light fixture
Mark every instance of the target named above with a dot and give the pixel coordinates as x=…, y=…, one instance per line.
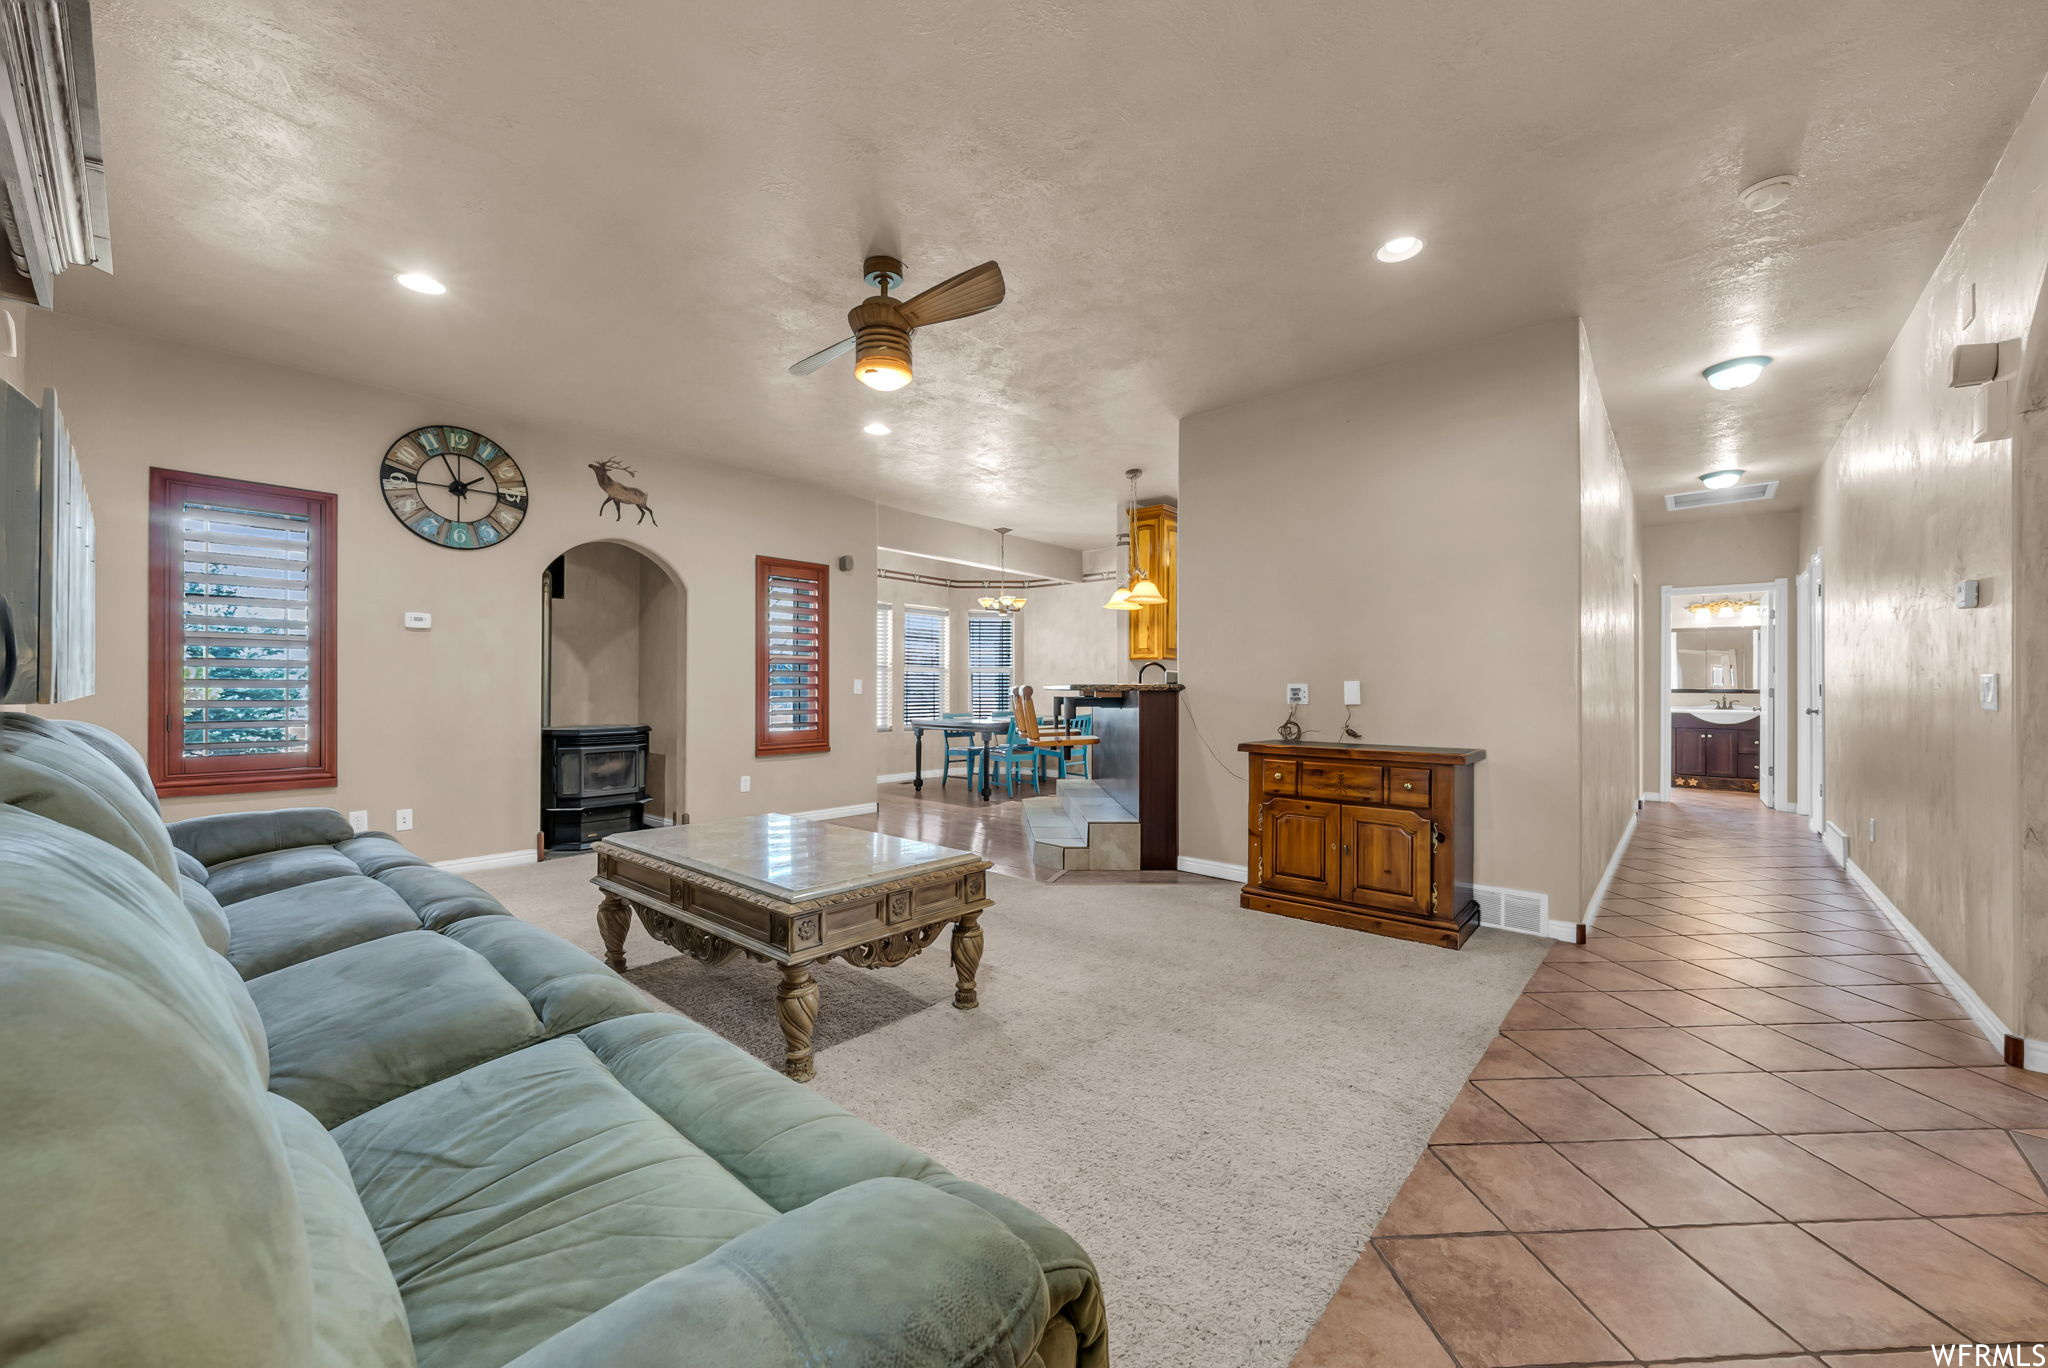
x=1708, y=609
x=1738, y=372
x=1721, y=479
x=876, y=429
x=1005, y=602
x=419, y=283
x=1400, y=248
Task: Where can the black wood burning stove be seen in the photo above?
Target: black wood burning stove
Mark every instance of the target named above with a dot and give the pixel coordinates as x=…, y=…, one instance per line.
x=593, y=782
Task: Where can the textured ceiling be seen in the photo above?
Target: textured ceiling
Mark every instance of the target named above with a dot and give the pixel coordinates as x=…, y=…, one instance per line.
x=645, y=210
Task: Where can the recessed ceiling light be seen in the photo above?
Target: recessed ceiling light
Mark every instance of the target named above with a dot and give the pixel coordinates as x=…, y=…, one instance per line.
x=1736, y=373
x=423, y=284
x=1399, y=249
x=1767, y=194
x=876, y=429
x=1721, y=479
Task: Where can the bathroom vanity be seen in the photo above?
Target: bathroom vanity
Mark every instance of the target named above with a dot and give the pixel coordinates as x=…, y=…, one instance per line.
x=1716, y=749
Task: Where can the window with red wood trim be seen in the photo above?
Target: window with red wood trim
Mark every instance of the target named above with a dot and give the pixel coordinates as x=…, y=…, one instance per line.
x=241, y=636
x=793, y=660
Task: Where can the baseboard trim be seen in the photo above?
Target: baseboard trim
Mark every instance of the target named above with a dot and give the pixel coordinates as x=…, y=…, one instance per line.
x=1980, y=1013
x=1653, y=796
x=846, y=810
x=1628, y=833
x=907, y=775
x=1212, y=869
x=504, y=859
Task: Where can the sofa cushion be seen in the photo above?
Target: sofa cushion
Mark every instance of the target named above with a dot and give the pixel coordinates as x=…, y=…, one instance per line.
x=440, y=896
x=149, y=1214
x=272, y=930
x=356, y=1028
x=206, y=913
x=374, y=852
x=50, y=771
x=223, y=836
x=116, y=749
x=358, y=1317
x=254, y=875
x=527, y=1193
x=567, y=988
x=189, y=866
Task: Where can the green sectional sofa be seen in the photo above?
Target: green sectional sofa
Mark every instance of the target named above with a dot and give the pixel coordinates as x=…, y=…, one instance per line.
x=273, y=1094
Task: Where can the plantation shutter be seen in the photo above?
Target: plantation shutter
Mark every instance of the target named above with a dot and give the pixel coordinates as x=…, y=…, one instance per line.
x=793, y=662
x=241, y=642
x=885, y=662
x=990, y=648
x=924, y=662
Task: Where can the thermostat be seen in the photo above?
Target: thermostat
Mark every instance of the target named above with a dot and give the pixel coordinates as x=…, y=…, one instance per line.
x=418, y=622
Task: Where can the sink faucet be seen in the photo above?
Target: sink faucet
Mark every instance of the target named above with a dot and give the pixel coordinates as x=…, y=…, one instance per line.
x=1148, y=665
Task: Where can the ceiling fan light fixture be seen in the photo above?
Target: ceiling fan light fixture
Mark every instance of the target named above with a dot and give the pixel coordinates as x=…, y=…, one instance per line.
x=883, y=373
x=1721, y=479
x=1737, y=372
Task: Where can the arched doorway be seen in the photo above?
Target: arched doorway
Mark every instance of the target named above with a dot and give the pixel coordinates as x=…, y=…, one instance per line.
x=612, y=645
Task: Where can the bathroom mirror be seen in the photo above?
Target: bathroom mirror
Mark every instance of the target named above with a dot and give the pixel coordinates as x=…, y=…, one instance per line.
x=1714, y=658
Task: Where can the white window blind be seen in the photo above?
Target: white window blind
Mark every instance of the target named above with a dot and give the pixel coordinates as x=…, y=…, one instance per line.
x=990, y=653
x=793, y=665
x=244, y=631
x=885, y=663
x=924, y=662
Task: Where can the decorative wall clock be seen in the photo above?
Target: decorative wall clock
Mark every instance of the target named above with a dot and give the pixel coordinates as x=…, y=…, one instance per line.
x=454, y=487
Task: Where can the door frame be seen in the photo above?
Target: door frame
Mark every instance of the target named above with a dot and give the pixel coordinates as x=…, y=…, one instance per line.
x=1776, y=738
x=1812, y=694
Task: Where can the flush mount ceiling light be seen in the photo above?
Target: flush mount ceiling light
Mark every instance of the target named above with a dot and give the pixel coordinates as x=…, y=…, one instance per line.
x=420, y=284
x=876, y=429
x=1399, y=249
x=1721, y=479
x=1736, y=373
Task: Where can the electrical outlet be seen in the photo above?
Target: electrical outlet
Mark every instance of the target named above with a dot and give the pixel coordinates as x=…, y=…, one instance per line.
x=359, y=822
x=1352, y=695
x=857, y=685
x=1297, y=693
x=1987, y=692
x=405, y=819
x=746, y=782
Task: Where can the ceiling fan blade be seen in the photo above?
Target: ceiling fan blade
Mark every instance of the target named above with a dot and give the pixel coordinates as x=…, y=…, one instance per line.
x=823, y=358
x=971, y=292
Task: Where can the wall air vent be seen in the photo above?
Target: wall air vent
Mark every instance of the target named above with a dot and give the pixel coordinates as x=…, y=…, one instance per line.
x=1705, y=498
x=1511, y=909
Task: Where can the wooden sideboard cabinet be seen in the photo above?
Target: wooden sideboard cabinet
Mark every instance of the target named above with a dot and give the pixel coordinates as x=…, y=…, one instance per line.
x=1378, y=838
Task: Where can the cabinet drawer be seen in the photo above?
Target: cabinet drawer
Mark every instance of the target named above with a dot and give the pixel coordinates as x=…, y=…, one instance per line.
x=1342, y=780
x=1278, y=776
x=1408, y=787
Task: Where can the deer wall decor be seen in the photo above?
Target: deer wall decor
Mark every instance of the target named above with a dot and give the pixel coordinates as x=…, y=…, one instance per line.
x=618, y=495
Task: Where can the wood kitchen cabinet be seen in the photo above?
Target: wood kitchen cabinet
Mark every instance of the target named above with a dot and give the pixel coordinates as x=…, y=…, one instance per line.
x=1721, y=755
x=1155, y=550
x=1377, y=838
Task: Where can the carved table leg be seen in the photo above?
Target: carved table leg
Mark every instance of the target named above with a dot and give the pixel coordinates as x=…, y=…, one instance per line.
x=966, y=960
x=614, y=917
x=797, y=1000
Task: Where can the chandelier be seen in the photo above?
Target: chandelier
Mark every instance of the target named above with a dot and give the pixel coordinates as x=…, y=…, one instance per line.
x=1005, y=602
x=1141, y=592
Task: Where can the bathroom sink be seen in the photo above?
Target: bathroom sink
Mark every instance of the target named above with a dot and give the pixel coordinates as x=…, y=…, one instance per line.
x=1723, y=715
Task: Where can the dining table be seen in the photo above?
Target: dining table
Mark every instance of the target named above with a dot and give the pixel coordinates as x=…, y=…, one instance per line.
x=987, y=728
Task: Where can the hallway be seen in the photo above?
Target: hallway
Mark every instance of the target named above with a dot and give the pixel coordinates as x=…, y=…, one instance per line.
x=1742, y=1121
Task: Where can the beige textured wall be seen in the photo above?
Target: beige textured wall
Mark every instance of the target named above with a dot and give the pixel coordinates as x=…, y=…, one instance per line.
x=447, y=722
x=663, y=706
x=1414, y=527
x=595, y=651
x=1609, y=565
x=1741, y=550
x=1071, y=638
x=1907, y=505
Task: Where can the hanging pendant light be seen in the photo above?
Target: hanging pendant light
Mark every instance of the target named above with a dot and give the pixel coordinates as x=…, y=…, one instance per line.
x=1141, y=592
x=1005, y=602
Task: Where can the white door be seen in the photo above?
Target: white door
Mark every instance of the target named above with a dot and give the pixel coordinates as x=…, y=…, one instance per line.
x=1767, y=726
x=1813, y=694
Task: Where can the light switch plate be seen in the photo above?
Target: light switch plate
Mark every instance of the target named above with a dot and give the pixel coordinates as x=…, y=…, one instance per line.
x=746, y=783
x=418, y=622
x=1352, y=695
x=1987, y=692
x=1966, y=593
x=1297, y=693
x=857, y=685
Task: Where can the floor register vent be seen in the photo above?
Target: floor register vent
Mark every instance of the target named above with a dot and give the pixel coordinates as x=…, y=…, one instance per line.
x=1512, y=909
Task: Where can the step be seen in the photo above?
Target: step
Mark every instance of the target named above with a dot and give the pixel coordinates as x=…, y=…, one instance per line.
x=1056, y=843
x=1080, y=830
x=1086, y=802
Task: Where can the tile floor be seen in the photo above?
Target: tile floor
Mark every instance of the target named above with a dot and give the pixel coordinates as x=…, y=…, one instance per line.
x=1741, y=1124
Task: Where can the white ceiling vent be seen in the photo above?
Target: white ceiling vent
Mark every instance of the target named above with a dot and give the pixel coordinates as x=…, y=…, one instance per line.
x=1511, y=909
x=1703, y=498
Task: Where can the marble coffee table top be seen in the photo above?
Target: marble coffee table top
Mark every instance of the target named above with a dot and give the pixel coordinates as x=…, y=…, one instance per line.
x=789, y=858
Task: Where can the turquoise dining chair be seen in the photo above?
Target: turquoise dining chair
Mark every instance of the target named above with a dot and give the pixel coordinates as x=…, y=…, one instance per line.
x=959, y=746
x=1014, y=755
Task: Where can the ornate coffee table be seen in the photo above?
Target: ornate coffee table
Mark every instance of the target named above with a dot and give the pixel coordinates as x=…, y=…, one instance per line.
x=793, y=893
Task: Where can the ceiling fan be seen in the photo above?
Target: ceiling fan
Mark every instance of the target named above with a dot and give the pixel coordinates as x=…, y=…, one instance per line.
x=882, y=326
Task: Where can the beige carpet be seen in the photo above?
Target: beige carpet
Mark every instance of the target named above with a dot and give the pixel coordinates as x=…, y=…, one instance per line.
x=1218, y=1104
